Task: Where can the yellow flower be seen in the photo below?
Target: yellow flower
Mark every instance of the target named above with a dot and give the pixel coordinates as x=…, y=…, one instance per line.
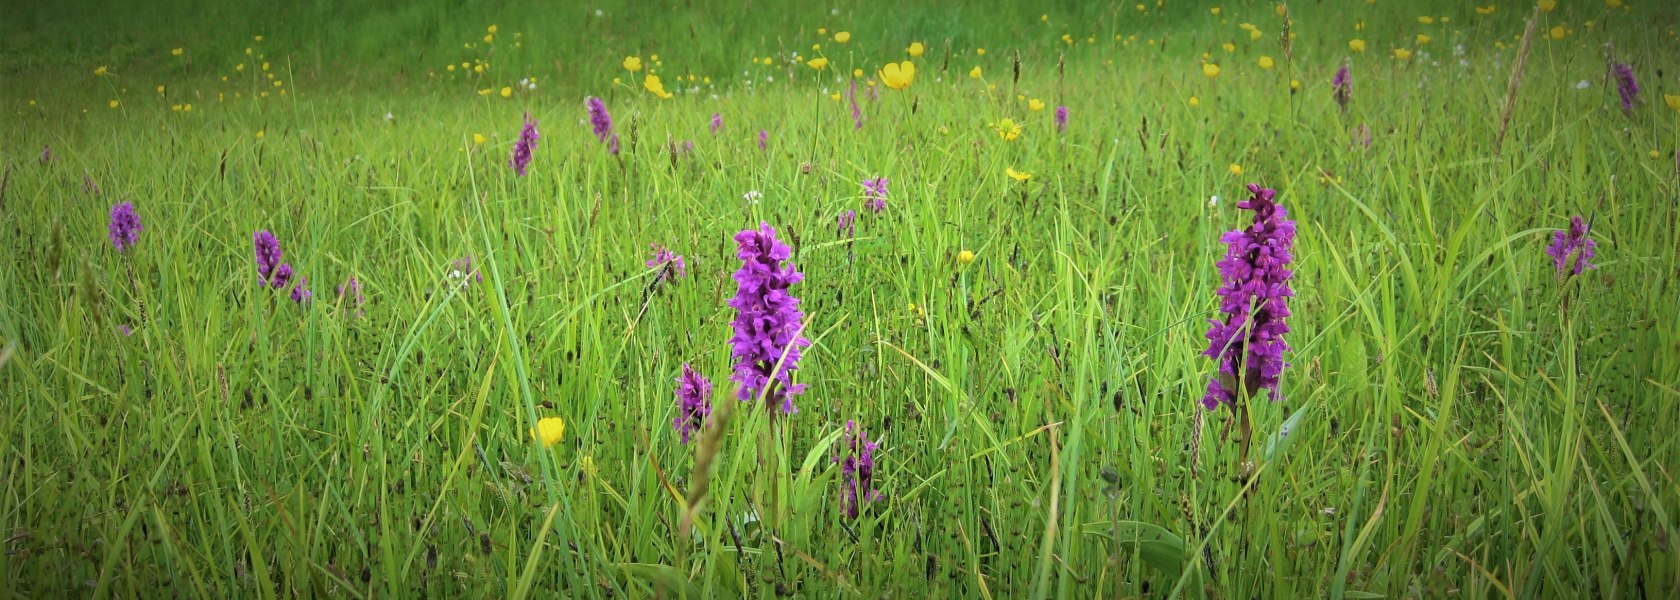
x=1035, y=104
x=265, y=65
x=1356, y=45
x=1487, y=10
x=834, y=96
x=1211, y=70
x=843, y=37
x=1673, y=100
x=177, y=51
x=1422, y=39
x=1215, y=10
x=979, y=51
x=822, y=31
x=858, y=73
x=113, y=104
x=1229, y=47
x=1266, y=62
x=1254, y=34
x=1654, y=154
x=653, y=84
x=507, y=92
x=1236, y=169
x=1402, y=54
x=818, y=63
x=1547, y=5
x=101, y=71
x=1195, y=102
x=965, y=257
x=1017, y=175
x=1007, y=129
x=450, y=68
x=160, y=88
x=916, y=49
x=257, y=38
x=549, y=431
x=632, y=63
x=1294, y=84
x=1426, y=20
x=974, y=72
x=175, y=107
x=898, y=75
x=479, y=139
x=486, y=92
x=1046, y=18
x=1558, y=32
x=816, y=47
x=1613, y=3
x=586, y=466
x=259, y=134
x=1282, y=9
x=490, y=29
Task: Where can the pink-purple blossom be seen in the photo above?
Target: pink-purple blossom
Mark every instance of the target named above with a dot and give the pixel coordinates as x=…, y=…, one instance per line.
x=768, y=323
x=1248, y=344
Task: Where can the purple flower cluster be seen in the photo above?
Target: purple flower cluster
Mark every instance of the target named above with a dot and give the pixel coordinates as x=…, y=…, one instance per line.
x=670, y=264
x=875, y=194
x=1572, y=242
x=1626, y=86
x=768, y=322
x=1248, y=345
x=1343, y=84
x=694, y=402
x=847, y=224
x=717, y=122
x=524, y=147
x=857, y=471
x=1061, y=119
x=763, y=139
x=464, y=271
x=125, y=226
x=276, y=274
x=599, y=120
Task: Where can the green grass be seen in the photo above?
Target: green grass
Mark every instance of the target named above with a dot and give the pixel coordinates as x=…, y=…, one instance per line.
x=1456, y=420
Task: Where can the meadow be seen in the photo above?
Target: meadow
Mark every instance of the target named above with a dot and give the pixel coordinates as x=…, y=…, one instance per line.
x=423, y=299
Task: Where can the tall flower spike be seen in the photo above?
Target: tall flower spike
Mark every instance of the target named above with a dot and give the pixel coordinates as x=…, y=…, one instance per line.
x=599, y=120
x=1343, y=84
x=1626, y=86
x=1061, y=119
x=763, y=139
x=268, y=255
x=1572, y=243
x=857, y=472
x=524, y=147
x=768, y=321
x=125, y=226
x=1248, y=345
x=875, y=194
x=694, y=402
x=717, y=122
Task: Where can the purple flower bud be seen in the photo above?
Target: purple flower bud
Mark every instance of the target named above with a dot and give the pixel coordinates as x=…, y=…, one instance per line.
x=524, y=147
x=717, y=122
x=857, y=471
x=268, y=255
x=1061, y=119
x=1626, y=86
x=125, y=226
x=694, y=402
x=1572, y=243
x=598, y=118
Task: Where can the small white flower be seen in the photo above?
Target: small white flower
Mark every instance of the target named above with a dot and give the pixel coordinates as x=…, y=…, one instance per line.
x=389, y=117
x=599, y=13
x=752, y=196
x=531, y=86
x=769, y=78
x=1329, y=511
x=833, y=11
x=1213, y=201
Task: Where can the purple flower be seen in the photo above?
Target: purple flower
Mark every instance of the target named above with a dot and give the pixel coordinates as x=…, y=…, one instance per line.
x=767, y=320
x=464, y=271
x=125, y=226
x=1626, y=86
x=1343, y=84
x=125, y=329
x=763, y=139
x=1061, y=119
x=847, y=225
x=671, y=266
x=282, y=276
x=612, y=146
x=1248, y=345
x=851, y=97
x=717, y=122
x=301, y=293
x=46, y=154
x=857, y=471
x=268, y=255
x=875, y=194
x=694, y=402
x=1572, y=242
x=598, y=118
x=522, y=149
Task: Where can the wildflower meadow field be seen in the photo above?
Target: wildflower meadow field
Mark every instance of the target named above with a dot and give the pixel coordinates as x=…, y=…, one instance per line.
x=735, y=299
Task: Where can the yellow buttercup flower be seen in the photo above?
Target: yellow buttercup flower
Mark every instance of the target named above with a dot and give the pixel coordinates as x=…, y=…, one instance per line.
x=632, y=63
x=1547, y=5
x=965, y=257
x=1266, y=62
x=916, y=49
x=1294, y=84
x=653, y=84
x=898, y=75
x=822, y=31
x=1254, y=35
x=1613, y=3
x=113, y=104
x=101, y=71
x=1487, y=10
x=974, y=72
x=177, y=51
x=1211, y=70
x=1035, y=104
x=259, y=131
x=1356, y=45
x=1426, y=20
x=818, y=63
x=1673, y=100
x=1654, y=154
x=1236, y=169
x=1558, y=32
x=1229, y=47
x=1422, y=39
x=1402, y=54
x=1215, y=10
x=549, y=431
x=486, y=92
x=1017, y=175
x=834, y=96
x=843, y=37
x=507, y=92
x=1007, y=129
x=979, y=51
x=479, y=139
x=1195, y=102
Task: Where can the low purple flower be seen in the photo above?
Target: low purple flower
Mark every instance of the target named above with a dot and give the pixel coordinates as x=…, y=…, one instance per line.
x=301, y=293
x=1061, y=119
x=268, y=255
x=670, y=264
x=1572, y=243
x=875, y=194
x=763, y=139
x=717, y=122
x=524, y=147
x=847, y=224
x=1248, y=345
x=1626, y=86
x=599, y=120
x=612, y=146
x=1343, y=86
x=851, y=97
x=694, y=402
x=282, y=276
x=125, y=226
x=857, y=472
x=768, y=322
x=46, y=154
